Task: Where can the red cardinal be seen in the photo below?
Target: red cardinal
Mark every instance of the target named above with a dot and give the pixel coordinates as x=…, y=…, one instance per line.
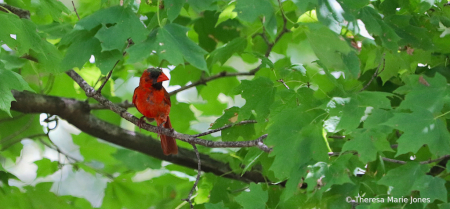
x=153, y=101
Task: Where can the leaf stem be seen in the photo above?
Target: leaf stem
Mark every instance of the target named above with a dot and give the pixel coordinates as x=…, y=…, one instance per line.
x=441, y=115
x=157, y=13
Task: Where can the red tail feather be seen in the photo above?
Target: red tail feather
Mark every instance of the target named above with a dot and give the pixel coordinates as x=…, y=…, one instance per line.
x=168, y=144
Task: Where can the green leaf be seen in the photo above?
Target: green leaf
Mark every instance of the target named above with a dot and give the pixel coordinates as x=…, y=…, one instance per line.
x=431, y=187
x=229, y=116
x=406, y=178
x=209, y=35
x=424, y=93
x=367, y=143
x=181, y=116
x=246, y=131
x=136, y=160
x=54, y=8
x=107, y=59
x=374, y=99
x=322, y=176
x=392, y=66
x=329, y=52
x=216, y=87
x=92, y=149
x=250, y=10
x=376, y=118
x=412, y=34
x=123, y=192
x=345, y=113
x=292, y=184
x=223, y=53
x=253, y=199
x=351, y=61
x=11, y=62
x=13, y=152
x=173, y=8
x=264, y=60
x=305, y=5
x=171, y=44
x=259, y=95
x=27, y=40
x=202, y=5
x=421, y=128
x=251, y=158
x=295, y=141
x=227, y=14
x=212, y=107
x=183, y=74
x=375, y=25
x=80, y=50
x=10, y=80
x=46, y=167
x=219, y=205
x=117, y=25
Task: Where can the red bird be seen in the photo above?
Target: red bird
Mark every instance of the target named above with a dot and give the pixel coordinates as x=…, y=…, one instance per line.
x=153, y=101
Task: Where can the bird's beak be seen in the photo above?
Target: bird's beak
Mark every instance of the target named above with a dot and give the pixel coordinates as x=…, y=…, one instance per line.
x=162, y=78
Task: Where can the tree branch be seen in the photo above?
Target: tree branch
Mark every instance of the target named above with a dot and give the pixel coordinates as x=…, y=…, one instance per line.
x=199, y=168
x=400, y=161
x=90, y=92
x=75, y=10
x=78, y=114
x=224, y=127
x=25, y=14
x=377, y=72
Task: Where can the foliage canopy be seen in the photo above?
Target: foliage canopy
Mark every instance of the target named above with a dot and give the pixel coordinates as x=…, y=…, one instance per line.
x=353, y=96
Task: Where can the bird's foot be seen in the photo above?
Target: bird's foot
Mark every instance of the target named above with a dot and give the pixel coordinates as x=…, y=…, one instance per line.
x=159, y=130
x=141, y=122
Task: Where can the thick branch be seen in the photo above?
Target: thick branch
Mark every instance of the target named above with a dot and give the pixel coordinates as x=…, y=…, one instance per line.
x=15, y=10
x=78, y=114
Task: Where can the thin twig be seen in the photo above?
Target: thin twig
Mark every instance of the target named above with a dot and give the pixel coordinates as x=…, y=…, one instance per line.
x=283, y=31
x=435, y=160
x=377, y=72
x=75, y=9
x=199, y=170
x=13, y=118
x=282, y=81
x=99, y=90
x=400, y=161
x=393, y=160
x=18, y=132
x=56, y=148
x=224, y=127
x=90, y=92
x=5, y=147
